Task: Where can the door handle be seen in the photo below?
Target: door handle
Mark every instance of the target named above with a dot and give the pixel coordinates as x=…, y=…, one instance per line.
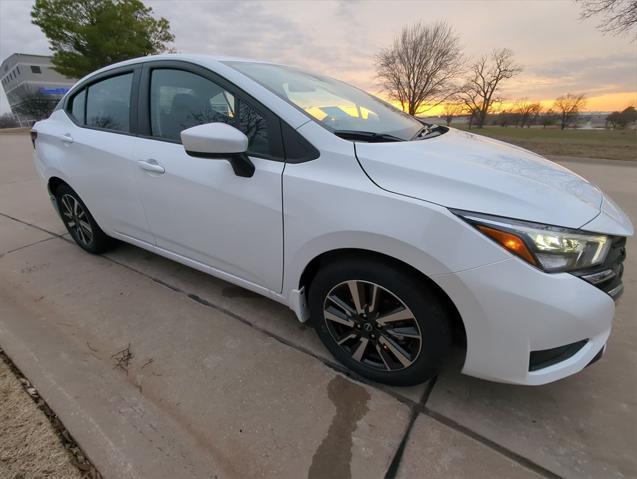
x=66, y=138
x=151, y=165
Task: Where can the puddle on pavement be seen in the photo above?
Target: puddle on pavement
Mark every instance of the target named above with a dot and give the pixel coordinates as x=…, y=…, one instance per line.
x=333, y=456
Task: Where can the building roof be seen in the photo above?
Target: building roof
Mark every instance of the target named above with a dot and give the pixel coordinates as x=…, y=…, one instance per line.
x=18, y=57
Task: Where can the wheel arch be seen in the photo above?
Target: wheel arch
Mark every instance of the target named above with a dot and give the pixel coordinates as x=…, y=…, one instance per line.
x=53, y=184
x=310, y=270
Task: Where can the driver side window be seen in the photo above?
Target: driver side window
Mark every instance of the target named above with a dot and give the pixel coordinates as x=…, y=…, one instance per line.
x=180, y=100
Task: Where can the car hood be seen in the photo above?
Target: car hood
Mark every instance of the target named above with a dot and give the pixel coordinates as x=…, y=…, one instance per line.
x=475, y=173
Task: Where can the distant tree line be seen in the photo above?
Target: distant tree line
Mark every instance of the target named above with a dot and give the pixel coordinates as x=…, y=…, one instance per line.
x=532, y=114
x=517, y=118
x=564, y=113
x=621, y=119
x=524, y=113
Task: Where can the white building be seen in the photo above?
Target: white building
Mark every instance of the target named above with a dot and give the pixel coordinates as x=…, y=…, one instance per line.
x=23, y=75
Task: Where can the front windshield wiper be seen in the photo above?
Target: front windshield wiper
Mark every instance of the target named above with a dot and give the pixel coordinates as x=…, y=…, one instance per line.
x=429, y=131
x=368, y=136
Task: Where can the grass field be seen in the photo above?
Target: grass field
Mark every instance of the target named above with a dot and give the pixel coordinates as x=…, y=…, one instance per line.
x=609, y=144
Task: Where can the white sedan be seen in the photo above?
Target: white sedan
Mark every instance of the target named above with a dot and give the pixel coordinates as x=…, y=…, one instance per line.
x=395, y=238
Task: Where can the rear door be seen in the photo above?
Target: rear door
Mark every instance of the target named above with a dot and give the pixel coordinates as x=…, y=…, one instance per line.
x=196, y=207
x=94, y=144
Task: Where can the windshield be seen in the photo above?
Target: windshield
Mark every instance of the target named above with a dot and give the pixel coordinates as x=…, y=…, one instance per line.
x=334, y=104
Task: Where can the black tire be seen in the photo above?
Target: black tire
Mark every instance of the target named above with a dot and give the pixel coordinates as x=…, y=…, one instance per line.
x=86, y=233
x=429, y=319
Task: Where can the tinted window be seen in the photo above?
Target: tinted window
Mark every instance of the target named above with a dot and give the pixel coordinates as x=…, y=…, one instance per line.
x=180, y=100
x=77, y=107
x=36, y=69
x=108, y=103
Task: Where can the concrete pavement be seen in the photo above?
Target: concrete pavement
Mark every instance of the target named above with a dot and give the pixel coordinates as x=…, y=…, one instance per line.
x=224, y=383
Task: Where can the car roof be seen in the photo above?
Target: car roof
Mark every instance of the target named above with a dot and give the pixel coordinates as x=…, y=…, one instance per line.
x=194, y=58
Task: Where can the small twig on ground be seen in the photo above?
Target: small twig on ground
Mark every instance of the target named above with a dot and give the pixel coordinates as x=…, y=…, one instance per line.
x=122, y=358
x=147, y=363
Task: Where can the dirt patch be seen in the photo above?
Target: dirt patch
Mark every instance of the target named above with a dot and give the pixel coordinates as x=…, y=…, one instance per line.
x=30, y=445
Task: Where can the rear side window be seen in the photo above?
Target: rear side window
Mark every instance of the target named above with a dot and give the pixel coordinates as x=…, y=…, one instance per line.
x=180, y=100
x=108, y=103
x=77, y=107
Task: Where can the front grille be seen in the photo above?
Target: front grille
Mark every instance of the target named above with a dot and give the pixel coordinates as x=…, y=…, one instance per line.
x=608, y=276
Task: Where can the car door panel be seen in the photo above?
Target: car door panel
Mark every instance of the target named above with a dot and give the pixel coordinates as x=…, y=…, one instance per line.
x=105, y=175
x=200, y=209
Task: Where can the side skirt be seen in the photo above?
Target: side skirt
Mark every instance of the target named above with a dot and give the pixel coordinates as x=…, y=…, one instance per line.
x=278, y=297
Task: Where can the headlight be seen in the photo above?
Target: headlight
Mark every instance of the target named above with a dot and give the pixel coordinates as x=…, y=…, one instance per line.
x=549, y=248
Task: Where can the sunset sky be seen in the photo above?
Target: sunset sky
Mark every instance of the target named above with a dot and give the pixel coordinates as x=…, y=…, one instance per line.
x=559, y=52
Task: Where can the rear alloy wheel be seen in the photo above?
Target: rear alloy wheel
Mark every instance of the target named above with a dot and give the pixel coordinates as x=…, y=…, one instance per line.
x=76, y=220
x=380, y=320
x=80, y=223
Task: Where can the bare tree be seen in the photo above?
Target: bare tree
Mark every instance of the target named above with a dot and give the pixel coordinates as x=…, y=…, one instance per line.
x=418, y=68
x=469, y=100
x=7, y=120
x=36, y=105
x=480, y=90
x=548, y=118
x=568, y=107
x=621, y=119
x=451, y=110
x=504, y=118
x=527, y=112
x=619, y=16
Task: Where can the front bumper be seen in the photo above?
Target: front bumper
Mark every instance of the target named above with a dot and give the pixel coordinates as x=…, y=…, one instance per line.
x=511, y=309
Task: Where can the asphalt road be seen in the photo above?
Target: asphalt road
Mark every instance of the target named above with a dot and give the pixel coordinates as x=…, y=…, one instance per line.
x=224, y=383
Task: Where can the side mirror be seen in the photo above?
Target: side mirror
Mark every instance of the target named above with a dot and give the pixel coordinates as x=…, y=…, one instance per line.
x=219, y=141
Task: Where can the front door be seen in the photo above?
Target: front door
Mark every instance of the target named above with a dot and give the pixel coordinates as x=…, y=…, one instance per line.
x=198, y=208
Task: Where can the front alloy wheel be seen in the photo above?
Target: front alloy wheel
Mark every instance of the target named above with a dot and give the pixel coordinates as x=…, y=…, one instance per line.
x=380, y=319
x=372, y=325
